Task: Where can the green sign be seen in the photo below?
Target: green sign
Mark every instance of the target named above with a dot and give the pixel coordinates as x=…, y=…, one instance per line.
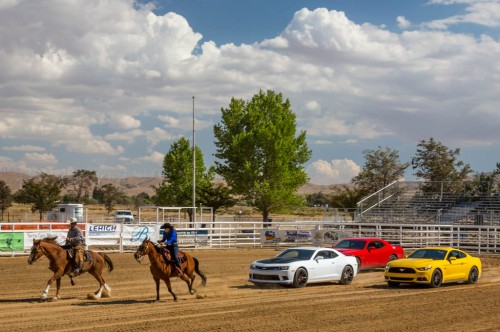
x=12, y=241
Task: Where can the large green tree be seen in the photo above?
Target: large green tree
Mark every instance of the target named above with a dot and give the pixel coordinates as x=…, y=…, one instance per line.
x=176, y=188
x=5, y=198
x=216, y=196
x=43, y=192
x=82, y=182
x=439, y=167
x=382, y=166
x=261, y=158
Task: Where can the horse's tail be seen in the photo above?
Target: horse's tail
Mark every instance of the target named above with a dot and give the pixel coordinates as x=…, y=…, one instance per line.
x=107, y=261
x=201, y=274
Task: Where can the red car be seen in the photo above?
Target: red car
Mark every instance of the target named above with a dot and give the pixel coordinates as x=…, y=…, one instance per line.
x=370, y=252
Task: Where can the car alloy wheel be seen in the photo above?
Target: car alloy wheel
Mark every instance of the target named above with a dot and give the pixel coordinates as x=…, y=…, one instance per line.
x=473, y=275
x=347, y=275
x=436, y=279
x=300, y=278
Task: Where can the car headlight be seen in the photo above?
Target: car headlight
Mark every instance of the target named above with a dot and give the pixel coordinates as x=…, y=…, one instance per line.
x=283, y=268
x=424, y=268
x=387, y=267
x=252, y=266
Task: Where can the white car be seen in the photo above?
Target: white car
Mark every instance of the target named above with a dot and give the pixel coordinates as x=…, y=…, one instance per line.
x=124, y=216
x=300, y=266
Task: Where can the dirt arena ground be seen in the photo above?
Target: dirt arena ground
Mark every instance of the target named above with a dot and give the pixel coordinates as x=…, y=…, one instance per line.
x=230, y=303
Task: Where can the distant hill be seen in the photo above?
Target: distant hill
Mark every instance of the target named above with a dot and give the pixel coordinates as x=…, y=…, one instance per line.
x=136, y=185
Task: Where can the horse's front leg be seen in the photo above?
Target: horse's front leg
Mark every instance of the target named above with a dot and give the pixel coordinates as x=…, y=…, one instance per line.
x=58, y=287
x=157, y=281
x=57, y=276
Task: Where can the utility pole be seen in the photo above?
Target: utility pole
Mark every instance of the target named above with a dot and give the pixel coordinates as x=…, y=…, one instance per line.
x=194, y=173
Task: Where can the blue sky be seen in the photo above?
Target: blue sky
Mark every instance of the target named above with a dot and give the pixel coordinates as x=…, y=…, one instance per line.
x=107, y=85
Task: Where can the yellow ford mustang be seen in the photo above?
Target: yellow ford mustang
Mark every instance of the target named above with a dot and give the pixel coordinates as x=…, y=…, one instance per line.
x=434, y=266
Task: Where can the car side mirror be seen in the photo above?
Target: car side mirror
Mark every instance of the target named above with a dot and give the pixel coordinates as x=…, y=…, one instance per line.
x=319, y=258
x=452, y=258
x=370, y=248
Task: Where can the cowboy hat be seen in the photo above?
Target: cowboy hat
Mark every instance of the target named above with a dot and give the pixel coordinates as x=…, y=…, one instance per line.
x=72, y=221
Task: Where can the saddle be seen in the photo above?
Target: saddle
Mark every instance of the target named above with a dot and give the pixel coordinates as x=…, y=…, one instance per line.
x=87, y=257
x=168, y=258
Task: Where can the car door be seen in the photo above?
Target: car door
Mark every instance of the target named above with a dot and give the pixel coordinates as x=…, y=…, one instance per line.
x=324, y=266
x=454, y=266
x=378, y=254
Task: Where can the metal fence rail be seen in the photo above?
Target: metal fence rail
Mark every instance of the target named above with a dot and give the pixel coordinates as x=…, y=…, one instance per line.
x=16, y=239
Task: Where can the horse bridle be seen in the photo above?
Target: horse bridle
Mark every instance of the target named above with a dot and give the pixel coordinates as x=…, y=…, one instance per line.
x=38, y=247
x=141, y=251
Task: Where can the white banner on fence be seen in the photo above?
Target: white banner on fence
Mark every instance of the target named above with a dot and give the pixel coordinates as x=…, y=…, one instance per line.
x=133, y=235
x=30, y=235
x=103, y=234
x=192, y=236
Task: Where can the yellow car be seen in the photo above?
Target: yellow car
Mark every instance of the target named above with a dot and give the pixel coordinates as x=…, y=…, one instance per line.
x=434, y=266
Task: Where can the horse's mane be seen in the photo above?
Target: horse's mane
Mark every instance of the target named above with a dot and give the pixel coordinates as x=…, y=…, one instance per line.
x=50, y=239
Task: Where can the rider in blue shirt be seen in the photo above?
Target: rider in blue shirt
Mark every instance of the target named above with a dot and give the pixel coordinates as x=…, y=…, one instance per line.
x=170, y=241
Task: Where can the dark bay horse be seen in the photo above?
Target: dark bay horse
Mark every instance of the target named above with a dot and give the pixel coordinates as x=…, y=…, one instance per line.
x=61, y=264
x=162, y=271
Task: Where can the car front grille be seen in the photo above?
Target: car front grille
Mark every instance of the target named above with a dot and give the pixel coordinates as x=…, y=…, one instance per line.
x=265, y=277
x=401, y=279
x=401, y=270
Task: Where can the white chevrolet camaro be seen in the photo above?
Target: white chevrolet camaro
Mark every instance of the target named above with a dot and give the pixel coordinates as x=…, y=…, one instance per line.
x=300, y=266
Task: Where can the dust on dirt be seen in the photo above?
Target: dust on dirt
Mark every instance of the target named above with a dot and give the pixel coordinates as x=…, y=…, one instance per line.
x=230, y=303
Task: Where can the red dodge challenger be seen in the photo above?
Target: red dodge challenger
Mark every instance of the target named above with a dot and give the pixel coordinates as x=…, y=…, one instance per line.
x=370, y=252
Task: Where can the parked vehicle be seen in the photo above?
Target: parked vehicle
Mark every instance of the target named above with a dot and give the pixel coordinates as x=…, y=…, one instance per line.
x=371, y=252
x=304, y=265
x=434, y=266
x=124, y=216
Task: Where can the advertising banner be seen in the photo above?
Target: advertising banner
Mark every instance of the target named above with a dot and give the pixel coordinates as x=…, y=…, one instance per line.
x=133, y=235
x=199, y=236
x=12, y=241
x=273, y=236
x=41, y=234
x=103, y=234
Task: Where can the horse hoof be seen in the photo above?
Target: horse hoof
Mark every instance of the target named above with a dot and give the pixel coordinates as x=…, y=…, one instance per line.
x=43, y=297
x=192, y=291
x=92, y=297
x=105, y=293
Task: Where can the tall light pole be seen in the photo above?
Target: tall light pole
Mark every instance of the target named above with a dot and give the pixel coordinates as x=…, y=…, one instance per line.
x=194, y=173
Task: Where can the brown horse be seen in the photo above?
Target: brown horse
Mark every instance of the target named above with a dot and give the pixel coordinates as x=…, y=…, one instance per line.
x=163, y=271
x=61, y=264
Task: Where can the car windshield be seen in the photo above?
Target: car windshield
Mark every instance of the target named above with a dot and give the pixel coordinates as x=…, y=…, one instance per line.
x=304, y=254
x=435, y=254
x=350, y=244
x=123, y=213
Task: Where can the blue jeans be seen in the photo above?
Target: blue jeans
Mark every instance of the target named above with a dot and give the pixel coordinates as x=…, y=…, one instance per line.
x=174, y=252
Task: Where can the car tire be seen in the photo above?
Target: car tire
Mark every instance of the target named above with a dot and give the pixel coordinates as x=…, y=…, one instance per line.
x=392, y=258
x=393, y=283
x=300, y=278
x=473, y=275
x=436, y=279
x=347, y=275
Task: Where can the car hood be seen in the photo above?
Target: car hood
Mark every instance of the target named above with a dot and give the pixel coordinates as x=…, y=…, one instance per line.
x=348, y=251
x=412, y=262
x=278, y=260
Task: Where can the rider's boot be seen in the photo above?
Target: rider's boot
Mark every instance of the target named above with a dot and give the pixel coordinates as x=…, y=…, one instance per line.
x=179, y=270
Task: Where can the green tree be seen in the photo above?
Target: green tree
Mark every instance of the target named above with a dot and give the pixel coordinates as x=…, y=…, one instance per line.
x=110, y=196
x=43, y=192
x=438, y=166
x=346, y=197
x=486, y=183
x=382, y=166
x=176, y=188
x=317, y=199
x=5, y=198
x=82, y=182
x=261, y=158
x=216, y=196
